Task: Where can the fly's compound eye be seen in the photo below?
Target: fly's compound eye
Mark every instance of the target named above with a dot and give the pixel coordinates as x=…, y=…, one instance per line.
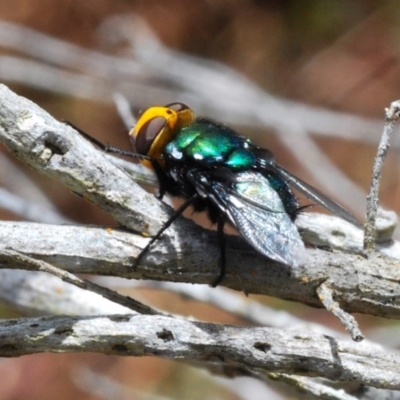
x=148, y=133
x=158, y=126
x=177, y=107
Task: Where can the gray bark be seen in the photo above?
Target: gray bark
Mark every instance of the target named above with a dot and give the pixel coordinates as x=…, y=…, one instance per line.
x=264, y=349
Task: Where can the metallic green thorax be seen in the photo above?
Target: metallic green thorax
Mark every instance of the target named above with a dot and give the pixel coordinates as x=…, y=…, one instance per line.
x=207, y=143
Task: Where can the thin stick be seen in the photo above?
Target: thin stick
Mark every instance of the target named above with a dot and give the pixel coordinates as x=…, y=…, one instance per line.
x=348, y=321
x=392, y=115
x=28, y=263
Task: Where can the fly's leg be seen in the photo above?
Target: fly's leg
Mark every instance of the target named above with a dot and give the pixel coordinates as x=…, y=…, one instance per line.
x=222, y=260
x=106, y=148
x=177, y=213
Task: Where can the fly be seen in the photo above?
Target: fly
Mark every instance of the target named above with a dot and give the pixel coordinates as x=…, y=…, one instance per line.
x=218, y=170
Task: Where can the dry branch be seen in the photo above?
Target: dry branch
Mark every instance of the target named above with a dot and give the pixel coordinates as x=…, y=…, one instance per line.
x=370, y=286
x=264, y=349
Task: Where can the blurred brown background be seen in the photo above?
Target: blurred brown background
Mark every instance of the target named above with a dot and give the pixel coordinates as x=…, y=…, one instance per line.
x=342, y=56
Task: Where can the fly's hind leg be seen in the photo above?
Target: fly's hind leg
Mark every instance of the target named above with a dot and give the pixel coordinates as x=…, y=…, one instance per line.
x=222, y=259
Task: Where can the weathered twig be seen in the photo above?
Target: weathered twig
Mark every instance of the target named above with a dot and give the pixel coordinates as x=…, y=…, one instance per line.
x=262, y=348
x=348, y=321
x=234, y=303
x=10, y=258
x=325, y=231
x=392, y=115
x=370, y=286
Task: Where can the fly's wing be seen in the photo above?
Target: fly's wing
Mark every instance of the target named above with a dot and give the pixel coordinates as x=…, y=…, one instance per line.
x=266, y=162
x=257, y=212
x=315, y=195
